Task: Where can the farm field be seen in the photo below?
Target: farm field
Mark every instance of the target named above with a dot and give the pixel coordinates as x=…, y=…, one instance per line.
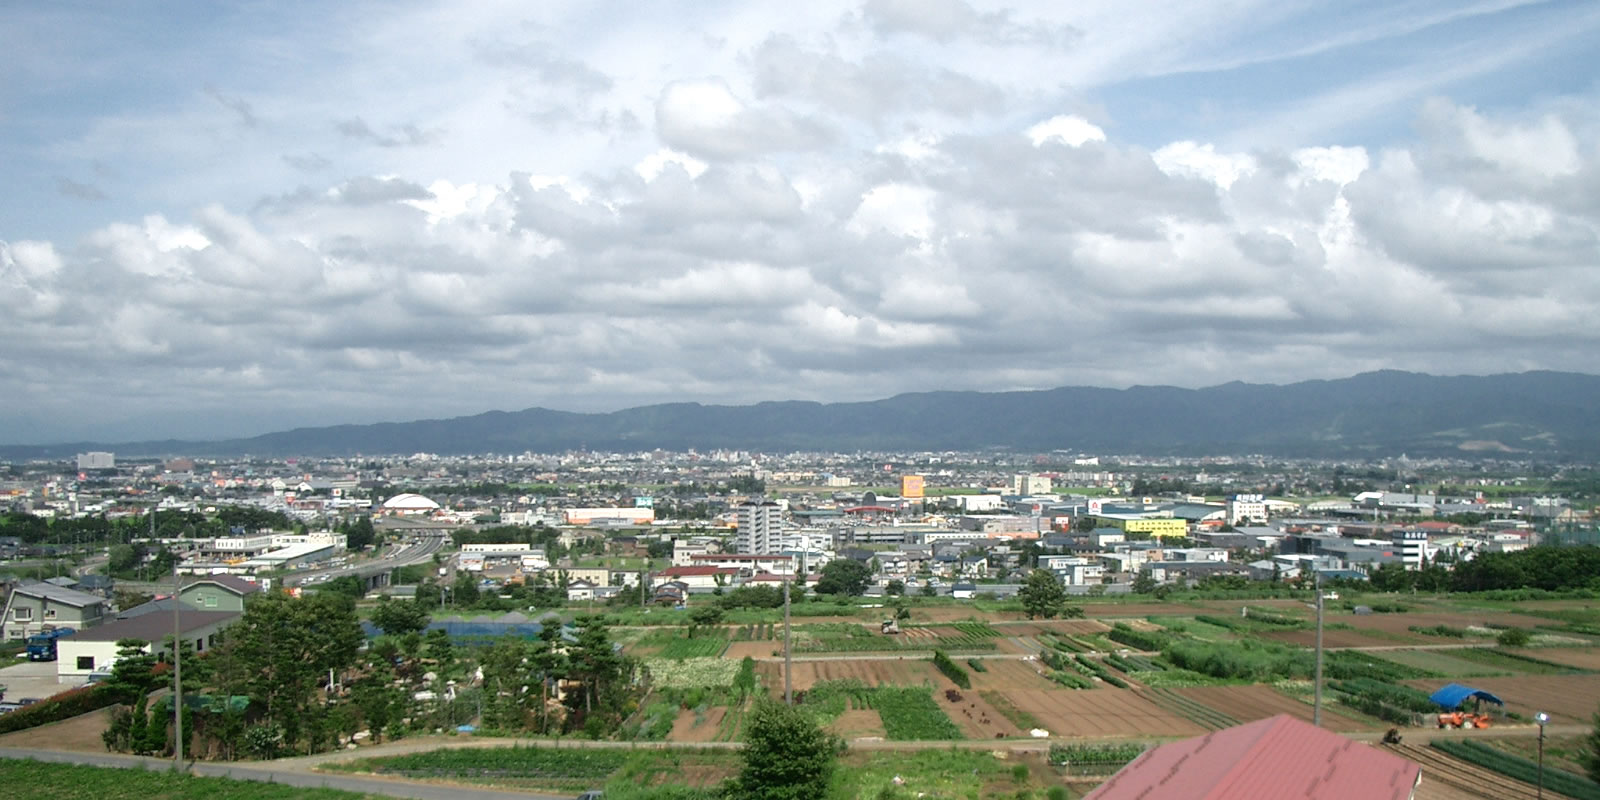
x=873, y=672
x=1005, y=673
x=1401, y=623
x=1443, y=662
x=1067, y=626
x=1100, y=712
x=1579, y=657
x=1250, y=703
x=1345, y=638
x=1568, y=699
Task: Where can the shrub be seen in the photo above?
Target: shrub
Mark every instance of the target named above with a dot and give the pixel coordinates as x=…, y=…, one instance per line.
x=1513, y=637
x=977, y=665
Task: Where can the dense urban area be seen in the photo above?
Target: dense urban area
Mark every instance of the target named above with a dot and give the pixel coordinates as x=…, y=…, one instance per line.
x=1070, y=610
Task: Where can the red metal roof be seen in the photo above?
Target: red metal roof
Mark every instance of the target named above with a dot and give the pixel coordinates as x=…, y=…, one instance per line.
x=678, y=572
x=1280, y=758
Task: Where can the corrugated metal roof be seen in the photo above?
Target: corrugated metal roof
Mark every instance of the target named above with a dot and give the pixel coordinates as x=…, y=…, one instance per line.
x=1280, y=758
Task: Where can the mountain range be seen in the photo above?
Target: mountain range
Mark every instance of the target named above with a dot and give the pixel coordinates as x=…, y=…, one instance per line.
x=1535, y=414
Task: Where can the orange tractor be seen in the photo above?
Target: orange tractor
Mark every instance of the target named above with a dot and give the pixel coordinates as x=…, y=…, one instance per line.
x=1463, y=719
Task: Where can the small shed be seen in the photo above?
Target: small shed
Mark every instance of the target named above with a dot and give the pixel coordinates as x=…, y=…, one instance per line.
x=1452, y=695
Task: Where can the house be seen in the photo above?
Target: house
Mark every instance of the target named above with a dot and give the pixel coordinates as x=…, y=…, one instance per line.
x=218, y=593
x=95, y=650
x=698, y=578
x=580, y=590
x=34, y=606
x=975, y=567
x=1275, y=757
x=671, y=593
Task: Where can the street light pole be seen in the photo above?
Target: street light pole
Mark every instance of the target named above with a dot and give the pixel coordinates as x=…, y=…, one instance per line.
x=177, y=669
x=1541, y=718
x=788, y=664
x=1316, y=706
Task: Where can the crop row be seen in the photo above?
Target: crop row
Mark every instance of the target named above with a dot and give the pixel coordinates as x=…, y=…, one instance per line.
x=1519, y=768
x=910, y=714
x=1139, y=640
x=694, y=648
x=951, y=669
x=522, y=762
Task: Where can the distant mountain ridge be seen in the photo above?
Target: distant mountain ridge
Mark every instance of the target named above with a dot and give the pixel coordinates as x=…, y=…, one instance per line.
x=1376, y=413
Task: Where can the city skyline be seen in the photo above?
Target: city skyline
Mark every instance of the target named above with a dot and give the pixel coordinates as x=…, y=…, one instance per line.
x=232, y=221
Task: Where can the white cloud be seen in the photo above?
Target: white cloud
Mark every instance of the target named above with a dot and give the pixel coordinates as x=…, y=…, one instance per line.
x=1070, y=130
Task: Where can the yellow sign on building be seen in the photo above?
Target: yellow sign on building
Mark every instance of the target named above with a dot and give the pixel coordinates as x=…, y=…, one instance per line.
x=911, y=486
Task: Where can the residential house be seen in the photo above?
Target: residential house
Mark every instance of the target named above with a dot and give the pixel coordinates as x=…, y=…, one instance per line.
x=975, y=567
x=219, y=593
x=581, y=590
x=34, y=606
x=95, y=650
x=698, y=578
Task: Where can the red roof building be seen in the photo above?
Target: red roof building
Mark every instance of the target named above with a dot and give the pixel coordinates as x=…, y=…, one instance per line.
x=1281, y=758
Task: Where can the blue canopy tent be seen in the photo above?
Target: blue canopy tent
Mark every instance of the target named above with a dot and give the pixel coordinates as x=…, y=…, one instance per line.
x=1452, y=695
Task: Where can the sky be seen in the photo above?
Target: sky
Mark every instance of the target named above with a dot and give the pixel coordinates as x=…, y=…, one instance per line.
x=223, y=219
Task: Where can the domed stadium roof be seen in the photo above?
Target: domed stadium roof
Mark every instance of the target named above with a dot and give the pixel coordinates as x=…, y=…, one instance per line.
x=409, y=502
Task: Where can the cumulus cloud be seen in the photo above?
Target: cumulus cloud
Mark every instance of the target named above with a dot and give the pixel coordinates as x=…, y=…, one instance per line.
x=704, y=118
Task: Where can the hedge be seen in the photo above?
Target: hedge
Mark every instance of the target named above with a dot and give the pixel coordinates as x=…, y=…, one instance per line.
x=1143, y=640
x=66, y=705
x=951, y=669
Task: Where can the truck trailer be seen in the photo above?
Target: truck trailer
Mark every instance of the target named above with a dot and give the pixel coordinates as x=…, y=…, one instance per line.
x=42, y=645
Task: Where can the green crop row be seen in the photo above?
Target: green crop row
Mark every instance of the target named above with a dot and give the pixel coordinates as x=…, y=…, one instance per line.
x=520, y=762
x=1519, y=768
x=910, y=714
x=951, y=670
x=1141, y=640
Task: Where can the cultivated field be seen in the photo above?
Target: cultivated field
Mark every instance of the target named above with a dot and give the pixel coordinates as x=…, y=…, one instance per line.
x=875, y=672
x=1580, y=657
x=1250, y=703
x=1444, y=663
x=1401, y=623
x=1100, y=712
x=1343, y=638
x=1067, y=626
x=1005, y=673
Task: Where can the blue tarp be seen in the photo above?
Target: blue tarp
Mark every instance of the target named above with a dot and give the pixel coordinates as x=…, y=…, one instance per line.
x=1453, y=694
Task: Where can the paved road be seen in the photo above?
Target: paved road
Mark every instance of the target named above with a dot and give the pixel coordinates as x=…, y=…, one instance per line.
x=417, y=552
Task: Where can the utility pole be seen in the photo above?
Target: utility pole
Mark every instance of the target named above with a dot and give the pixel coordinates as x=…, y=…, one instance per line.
x=177, y=670
x=1316, y=707
x=788, y=663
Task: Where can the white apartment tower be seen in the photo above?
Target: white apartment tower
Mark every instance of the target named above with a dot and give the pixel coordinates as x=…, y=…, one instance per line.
x=759, y=529
x=1028, y=485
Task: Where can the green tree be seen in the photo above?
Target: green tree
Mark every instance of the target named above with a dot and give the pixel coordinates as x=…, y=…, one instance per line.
x=360, y=534
x=133, y=674
x=844, y=576
x=786, y=756
x=927, y=589
x=895, y=588
x=281, y=651
x=1042, y=595
x=1513, y=637
x=1144, y=582
x=706, y=616
x=399, y=617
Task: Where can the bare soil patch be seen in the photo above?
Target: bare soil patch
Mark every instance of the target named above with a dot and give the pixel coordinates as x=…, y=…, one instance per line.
x=1100, y=713
x=1580, y=657
x=1250, y=703
x=1340, y=638
x=857, y=724
x=872, y=672
x=1005, y=673
x=739, y=650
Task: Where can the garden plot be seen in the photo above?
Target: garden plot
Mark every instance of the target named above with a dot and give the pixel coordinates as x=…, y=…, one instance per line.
x=1007, y=673
x=1568, y=699
x=1402, y=623
x=974, y=715
x=1577, y=657
x=694, y=726
x=1100, y=713
x=873, y=672
x=1444, y=663
x=1066, y=626
x=1346, y=638
x=1250, y=703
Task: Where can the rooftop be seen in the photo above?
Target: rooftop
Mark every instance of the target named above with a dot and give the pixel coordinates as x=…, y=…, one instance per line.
x=152, y=627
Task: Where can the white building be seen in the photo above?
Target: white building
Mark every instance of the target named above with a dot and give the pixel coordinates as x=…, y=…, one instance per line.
x=95, y=649
x=1412, y=547
x=1030, y=484
x=759, y=528
x=1246, y=508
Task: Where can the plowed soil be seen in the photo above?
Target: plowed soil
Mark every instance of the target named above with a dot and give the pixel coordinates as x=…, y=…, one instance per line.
x=1067, y=626
x=1250, y=703
x=857, y=724
x=684, y=729
x=1007, y=673
x=973, y=714
x=876, y=672
x=738, y=650
x=1580, y=657
x=1569, y=699
x=1401, y=623
x=1100, y=712
x=1450, y=778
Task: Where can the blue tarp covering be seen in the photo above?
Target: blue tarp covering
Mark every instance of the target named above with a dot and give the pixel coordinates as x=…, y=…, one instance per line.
x=1453, y=694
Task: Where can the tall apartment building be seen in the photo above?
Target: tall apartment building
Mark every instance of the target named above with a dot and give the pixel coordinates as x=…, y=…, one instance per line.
x=87, y=461
x=1412, y=547
x=1027, y=485
x=759, y=528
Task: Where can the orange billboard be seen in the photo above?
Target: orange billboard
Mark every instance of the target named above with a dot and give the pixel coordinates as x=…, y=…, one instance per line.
x=911, y=486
